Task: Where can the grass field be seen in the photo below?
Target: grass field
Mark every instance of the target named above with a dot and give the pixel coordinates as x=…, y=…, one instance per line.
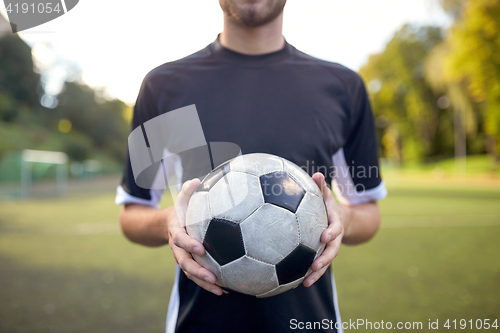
x=65, y=267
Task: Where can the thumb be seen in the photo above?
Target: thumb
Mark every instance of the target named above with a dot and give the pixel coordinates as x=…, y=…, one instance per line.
x=188, y=188
x=319, y=179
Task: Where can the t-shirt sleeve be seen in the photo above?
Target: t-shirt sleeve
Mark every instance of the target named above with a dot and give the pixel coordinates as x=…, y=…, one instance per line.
x=128, y=191
x=356, y=177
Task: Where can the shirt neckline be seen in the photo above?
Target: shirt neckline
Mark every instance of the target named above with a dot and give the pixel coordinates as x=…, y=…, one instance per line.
x=224, y=53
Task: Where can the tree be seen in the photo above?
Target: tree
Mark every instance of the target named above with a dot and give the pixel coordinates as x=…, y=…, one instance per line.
x=102, y=121
x=18, y=81
x=91, y=124
x=474, y=58
x=465, y=112
x=403, y=101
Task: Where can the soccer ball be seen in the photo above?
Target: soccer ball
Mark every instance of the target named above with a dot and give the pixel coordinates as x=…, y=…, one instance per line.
x=260, y=219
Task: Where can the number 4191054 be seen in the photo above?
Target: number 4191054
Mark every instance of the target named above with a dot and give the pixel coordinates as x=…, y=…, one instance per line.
x=478, y=324
x=40, y=8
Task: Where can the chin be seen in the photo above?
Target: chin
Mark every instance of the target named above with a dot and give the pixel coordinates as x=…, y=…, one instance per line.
x=253, y=13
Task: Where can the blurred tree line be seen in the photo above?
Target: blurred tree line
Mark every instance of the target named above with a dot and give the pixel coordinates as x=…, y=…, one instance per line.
x=435, y=93
x=83, y=124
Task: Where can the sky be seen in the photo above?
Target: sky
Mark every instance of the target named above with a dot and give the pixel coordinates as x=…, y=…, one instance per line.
x=113, y=44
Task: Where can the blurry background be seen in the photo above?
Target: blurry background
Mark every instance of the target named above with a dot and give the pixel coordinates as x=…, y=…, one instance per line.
x=432, y=69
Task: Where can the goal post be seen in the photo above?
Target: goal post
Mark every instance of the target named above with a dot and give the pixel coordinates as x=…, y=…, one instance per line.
x=28, y=157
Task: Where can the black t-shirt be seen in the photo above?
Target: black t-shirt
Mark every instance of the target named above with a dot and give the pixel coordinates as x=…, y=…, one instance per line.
x=287, y=103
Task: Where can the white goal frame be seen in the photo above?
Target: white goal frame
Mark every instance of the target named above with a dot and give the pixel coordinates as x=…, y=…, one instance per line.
x=28, y=157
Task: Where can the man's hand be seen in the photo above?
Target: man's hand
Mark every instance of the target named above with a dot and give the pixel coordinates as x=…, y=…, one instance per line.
x=346, y=224
x=183, y=245
x=332, y=236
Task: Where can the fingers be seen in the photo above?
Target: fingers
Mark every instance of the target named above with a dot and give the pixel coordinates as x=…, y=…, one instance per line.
x=309, y=281
x=329, y=253
x=334, y=229
x=210, y=287
x=177, y=233
x=335, y=226
x=194, y=270
x=183, y=245
x=201, y=276
x=321, y=264
x=331, y=236
x=182, y=240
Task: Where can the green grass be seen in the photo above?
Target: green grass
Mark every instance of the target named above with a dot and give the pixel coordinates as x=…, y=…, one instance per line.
x=65, y=267
x=474, y=165
x=448, y=237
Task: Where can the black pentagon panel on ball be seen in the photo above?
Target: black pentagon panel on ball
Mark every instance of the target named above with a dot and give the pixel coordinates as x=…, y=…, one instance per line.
x=213, y=177
x=295, y=265
x=223, y=241
x=281, y=190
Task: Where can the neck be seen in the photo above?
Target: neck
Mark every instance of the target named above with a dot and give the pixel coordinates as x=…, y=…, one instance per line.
x=257, y=40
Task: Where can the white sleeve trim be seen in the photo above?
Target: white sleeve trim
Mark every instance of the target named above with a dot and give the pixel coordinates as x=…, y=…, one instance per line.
x=122, y=198
x=173, y=170
x=344, y=188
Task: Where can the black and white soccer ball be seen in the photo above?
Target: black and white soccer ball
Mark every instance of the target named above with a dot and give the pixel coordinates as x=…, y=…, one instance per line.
x=260, y=219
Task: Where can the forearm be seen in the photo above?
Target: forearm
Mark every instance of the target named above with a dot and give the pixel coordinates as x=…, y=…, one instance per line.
x=145, y=225
x=361, y=222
